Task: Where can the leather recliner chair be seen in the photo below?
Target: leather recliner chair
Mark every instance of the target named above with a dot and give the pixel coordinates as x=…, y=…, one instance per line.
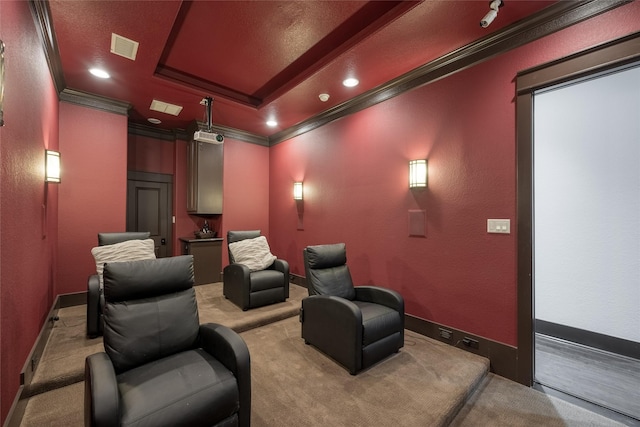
x=160, y=366
x=95, y=299
x=250, y=289
x=356, y=326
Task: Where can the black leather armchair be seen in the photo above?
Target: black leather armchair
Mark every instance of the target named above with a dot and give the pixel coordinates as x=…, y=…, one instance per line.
x=250, y=289
x=95, y=300
x=160, y=366
x=356, y=326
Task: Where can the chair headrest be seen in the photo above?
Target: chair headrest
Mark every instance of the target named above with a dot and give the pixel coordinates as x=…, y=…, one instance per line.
x=326, y=256
x=131, y=280
x=112, y=238
x=236, y=236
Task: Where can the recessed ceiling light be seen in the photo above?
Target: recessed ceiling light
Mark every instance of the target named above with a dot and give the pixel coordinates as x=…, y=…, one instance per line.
x=272, y=123
x=99, y=73
x=350, y=82
x=324, y=97
x=154, y=120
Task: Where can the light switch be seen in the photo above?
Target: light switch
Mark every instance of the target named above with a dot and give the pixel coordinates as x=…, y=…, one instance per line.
x=502, y=226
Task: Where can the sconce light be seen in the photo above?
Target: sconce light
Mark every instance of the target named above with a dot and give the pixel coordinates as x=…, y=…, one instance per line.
x=297, y=191
x=52, y=166
x=417, y=173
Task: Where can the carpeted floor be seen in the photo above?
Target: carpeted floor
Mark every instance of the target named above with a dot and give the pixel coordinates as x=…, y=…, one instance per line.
x=427, y=383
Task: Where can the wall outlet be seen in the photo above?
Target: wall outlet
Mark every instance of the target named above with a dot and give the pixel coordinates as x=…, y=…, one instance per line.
x=445, y=333
x=501, y=226
x=470, y=342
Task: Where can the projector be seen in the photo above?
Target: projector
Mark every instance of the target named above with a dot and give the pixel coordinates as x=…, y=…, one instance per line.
x=210, y=137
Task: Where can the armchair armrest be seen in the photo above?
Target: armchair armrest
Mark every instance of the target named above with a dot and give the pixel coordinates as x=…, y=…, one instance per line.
x=236, y=284
x=230, y=349
x=101, y=399
x=334, y=325
x=283, y=266
x=93, y=306
x=378, y=295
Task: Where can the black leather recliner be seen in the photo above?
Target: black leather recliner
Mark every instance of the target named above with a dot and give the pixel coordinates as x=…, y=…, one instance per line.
x=250, y=289
x=95, y=300
x=160, y=366
x=356, y=326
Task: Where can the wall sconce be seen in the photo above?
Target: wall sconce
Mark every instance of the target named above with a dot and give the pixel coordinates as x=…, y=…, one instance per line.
x=297, y=191
x=417, y=173
x=52, y=166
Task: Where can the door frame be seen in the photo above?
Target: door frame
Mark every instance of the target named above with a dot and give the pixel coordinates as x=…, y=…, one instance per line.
x=583, y=65
x=162, y=179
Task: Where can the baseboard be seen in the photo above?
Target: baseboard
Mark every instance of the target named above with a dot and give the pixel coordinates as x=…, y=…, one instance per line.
x=589, y=338
x=73, y=299
x=502, y=357
x=297, y=280
x=14, y=417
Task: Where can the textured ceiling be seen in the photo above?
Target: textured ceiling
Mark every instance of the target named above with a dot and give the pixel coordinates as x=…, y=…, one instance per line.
x=259, y=60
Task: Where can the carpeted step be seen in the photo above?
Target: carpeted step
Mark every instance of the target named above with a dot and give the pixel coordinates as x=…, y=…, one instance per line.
x=426, y=383
x=62, y=362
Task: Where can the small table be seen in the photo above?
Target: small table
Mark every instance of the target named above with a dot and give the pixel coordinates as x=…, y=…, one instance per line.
x=207, y=258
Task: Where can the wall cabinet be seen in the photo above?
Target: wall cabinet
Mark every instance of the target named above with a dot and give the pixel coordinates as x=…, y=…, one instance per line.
x=207, y=258
x=204, y=178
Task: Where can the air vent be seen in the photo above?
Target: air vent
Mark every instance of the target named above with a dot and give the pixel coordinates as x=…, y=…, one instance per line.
x=165, y=107
x=124, y=47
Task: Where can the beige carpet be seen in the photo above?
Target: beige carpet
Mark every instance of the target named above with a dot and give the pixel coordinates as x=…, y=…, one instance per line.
x=293, y=384
x=62, y=362
x=498, y=402
x=427, y=383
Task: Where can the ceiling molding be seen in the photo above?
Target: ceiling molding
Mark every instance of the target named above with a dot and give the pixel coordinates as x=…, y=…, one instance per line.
x=44, y=26
x=174, y=135
x=152, y=132
x=554, y=18
x=95, y=101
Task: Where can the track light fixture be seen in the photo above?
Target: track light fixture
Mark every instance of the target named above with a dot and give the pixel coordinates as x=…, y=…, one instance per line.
x=494, y=5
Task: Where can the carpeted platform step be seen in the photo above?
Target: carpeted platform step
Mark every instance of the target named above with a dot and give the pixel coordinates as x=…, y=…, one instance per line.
x=293, y=384
x=62, y=362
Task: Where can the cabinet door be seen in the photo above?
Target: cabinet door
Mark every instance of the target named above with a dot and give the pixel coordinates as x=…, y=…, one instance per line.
x=204, y=192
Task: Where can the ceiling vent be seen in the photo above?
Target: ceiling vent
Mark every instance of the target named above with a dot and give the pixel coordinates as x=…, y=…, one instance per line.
x=165, y=107
x=124, y=47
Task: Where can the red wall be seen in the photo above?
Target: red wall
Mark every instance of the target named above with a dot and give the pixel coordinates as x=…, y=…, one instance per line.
x=355, y=177
x=246, y=189
x=93, y=192
x=28, y=206
x=246, y=184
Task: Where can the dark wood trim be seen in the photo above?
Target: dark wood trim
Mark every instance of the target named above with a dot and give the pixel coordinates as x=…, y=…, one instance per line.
x=44, y=26
x=297, y=280
x=549, y=20
x=16, y=412
x=150, y=176
x=502, y=357
x=592, y=61
x=73, y=299
x=607, y=55
x=524, y=215
x=589, y=338
x=95, y=101
x=151, y=132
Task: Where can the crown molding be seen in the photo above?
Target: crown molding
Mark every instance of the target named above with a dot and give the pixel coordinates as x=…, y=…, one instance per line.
x=547, y=21
x=44, y=26
x=97, y=102
x=185, y=135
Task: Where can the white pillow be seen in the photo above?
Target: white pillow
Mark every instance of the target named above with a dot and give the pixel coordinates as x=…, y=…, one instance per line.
x=130, y=250
x=254, y=253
